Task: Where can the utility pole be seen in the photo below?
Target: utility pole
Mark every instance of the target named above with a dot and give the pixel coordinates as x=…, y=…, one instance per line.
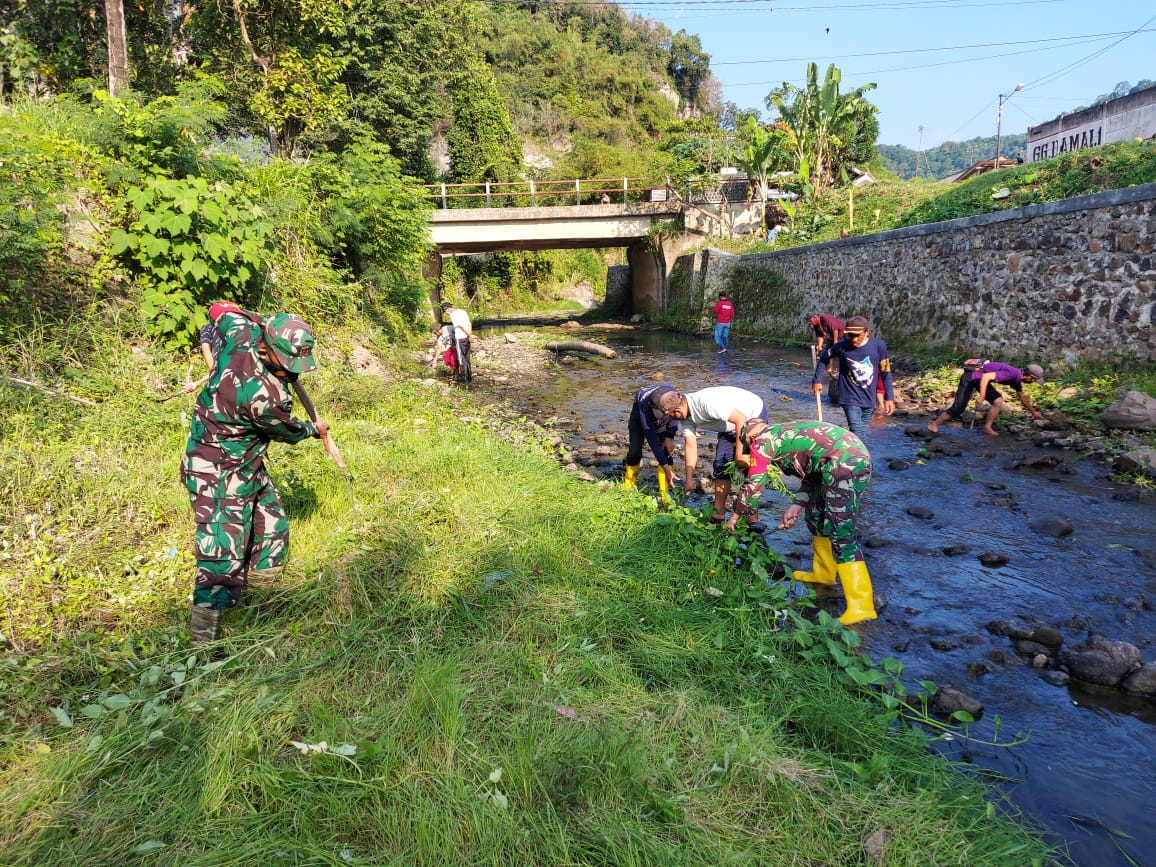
x=1003, y=97
x=919, y=152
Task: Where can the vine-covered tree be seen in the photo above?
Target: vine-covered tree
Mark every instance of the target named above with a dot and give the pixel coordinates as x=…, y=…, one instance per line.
x=689, y=66
x=482, y=144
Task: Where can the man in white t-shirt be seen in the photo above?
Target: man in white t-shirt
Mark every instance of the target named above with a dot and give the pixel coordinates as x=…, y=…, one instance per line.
x=459, y=329
x=722, y=409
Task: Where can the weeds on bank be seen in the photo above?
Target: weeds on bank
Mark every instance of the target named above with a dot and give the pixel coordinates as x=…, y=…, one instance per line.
x=469, y=657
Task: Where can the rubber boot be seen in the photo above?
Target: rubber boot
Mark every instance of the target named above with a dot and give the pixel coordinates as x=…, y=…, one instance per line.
x=663, y=488
x=631, y=478
x=205, y=625
x=857, y=588
x=822, y=563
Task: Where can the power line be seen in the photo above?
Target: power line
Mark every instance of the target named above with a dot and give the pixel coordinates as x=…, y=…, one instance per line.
x=1089, y=36
x=1072, y=67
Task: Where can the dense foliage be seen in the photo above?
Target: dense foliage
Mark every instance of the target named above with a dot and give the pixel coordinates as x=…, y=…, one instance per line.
x=949, y=158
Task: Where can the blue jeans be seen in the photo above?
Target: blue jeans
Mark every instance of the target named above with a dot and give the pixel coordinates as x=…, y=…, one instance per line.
x=722, y=334
x=858, y=417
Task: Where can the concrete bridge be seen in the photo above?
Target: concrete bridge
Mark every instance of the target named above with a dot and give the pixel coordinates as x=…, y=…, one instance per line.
x=570, y=218
x=462, y=231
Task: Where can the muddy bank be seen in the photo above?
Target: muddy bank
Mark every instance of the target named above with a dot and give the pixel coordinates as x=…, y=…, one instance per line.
x=1009, y=570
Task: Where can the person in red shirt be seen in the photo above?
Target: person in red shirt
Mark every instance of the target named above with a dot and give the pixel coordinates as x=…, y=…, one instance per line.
x=724, y=312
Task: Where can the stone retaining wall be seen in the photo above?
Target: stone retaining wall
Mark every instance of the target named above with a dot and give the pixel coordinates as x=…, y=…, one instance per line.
x=1076, y=276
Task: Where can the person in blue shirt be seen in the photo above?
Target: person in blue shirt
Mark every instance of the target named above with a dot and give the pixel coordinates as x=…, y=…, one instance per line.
x=649, y=422
x=863, y=363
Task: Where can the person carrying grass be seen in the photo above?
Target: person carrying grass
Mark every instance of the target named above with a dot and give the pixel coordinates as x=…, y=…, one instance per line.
x=242, y=533
x=722, y=409
x=835, y=468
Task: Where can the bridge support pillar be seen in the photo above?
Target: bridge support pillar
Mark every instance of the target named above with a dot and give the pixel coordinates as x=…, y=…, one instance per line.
x=431, y=272
x=647, y=279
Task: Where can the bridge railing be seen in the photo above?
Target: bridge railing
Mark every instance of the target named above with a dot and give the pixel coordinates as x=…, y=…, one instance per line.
x=533, y=193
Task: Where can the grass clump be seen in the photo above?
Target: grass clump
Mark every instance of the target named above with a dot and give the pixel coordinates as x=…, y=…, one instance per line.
x=471, y=657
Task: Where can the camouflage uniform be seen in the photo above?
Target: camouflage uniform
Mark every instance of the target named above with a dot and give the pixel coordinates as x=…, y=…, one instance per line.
x=835, y=468
x=241, y=524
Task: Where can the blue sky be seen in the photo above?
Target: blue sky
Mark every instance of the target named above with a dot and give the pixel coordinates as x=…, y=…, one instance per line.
x=1066, y=52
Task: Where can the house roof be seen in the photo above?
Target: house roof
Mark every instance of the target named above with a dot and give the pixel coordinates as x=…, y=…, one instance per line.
x=983, y=166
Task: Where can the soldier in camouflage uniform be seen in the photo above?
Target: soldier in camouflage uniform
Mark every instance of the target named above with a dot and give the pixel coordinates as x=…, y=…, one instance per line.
x=836, y=469
x=242, y=533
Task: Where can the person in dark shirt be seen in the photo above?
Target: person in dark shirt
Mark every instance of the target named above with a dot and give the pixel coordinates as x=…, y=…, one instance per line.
x=982, y=376
x=863, y=362
x=648, y=422
x=211, y=342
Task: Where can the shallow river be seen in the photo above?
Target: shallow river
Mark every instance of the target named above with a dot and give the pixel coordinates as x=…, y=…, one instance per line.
x=1088, y=771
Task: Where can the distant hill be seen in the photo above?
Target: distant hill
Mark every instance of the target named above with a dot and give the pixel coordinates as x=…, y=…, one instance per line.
x=948, y=158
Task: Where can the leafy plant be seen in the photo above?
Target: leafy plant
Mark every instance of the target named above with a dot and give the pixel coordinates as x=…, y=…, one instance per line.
x=186, y=243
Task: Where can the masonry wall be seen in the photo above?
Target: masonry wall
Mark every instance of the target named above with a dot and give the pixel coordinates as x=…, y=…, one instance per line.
x=1075, y=276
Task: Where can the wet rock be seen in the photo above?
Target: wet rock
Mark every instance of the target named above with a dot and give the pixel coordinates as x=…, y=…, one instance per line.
x=998, y=627
x=996, y=486
x=1138, y=460
x=1055, y=421
x=1048, y=636
x=954, y=550
x=1052, y=526
x=1135, y=603
x=1129, y=496
x=947, y=700
x=1027, y=647
x=898, y=464
x=901, y=646
x=993, y=559
x=1142, y=681
x=606, y=439
x=1040, y=660
x=918, y=432
x=1056, y=678
x=1002, y=657
x=874, y=541
x=952, y=451
x=1136, y=411
x=921, y=512
x=659, y=376
x=1039, y=461
x=1101, y=661
x=976, y=670
x=944, y=645
x=604, y=451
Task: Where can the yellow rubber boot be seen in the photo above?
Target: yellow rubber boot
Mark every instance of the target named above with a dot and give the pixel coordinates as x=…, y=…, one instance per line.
x=822, y=564
x=663, y=488
x=857, y=588
x=631, y=478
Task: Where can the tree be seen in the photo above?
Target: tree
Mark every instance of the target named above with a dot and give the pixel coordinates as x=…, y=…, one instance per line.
x=689, y=66
x=117, y=47
x=482, y=144
x=822, y=125
x=765, y=151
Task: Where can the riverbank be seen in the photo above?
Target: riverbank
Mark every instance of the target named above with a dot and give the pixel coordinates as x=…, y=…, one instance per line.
x=470, y=657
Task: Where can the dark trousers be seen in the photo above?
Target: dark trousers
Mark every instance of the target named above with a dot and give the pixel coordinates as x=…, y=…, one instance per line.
x=968, y=387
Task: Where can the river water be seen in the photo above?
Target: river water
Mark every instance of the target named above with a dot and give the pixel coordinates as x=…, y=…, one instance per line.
x=1087, y=773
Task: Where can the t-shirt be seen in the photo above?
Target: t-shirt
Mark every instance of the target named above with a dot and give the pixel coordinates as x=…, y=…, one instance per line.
x=461, y=322
x=828, y=327
x=711, y=407
x=210, y=335
x=724, y=311
x=860, y=369
x=656, y=425
x=1005, y=374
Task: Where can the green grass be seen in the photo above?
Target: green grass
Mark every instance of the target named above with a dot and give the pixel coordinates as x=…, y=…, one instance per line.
x=525, y=668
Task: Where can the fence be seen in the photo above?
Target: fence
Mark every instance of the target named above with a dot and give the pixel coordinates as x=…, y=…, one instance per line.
x=590, y=191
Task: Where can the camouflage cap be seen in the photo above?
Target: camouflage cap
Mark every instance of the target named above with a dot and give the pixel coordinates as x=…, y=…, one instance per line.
x=290, y=341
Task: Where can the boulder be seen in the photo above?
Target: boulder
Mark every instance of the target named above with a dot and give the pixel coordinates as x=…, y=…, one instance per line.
x=947, y=700
x=1136, y=411
x=1101, y=661
x=1052, y=526
x=1137, y=460
x=1142, y=681
x=992, y=559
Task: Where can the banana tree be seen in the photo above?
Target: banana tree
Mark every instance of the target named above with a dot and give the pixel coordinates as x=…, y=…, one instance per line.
x=764, y=152
x=822, y=122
